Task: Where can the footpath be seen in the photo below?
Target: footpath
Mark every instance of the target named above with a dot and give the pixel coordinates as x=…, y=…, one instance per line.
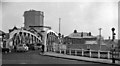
x=105, y=61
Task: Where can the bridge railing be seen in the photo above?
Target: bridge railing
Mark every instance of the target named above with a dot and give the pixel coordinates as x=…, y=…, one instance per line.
x=88, y=53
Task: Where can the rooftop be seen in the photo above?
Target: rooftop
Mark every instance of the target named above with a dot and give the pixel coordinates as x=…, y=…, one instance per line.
x=76, y=34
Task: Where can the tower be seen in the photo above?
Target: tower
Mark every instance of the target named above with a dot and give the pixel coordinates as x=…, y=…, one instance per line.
x=33, y=18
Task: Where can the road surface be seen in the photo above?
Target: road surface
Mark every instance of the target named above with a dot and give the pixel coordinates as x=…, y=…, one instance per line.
x=33, y=57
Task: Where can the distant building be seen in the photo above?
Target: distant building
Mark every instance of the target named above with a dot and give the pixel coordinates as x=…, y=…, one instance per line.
x=33, y=18
x=80, y=38
x=84, y=40
x=3, y=38
x=52, y=37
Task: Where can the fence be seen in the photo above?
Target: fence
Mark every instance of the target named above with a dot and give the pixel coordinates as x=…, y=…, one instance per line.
x=88, y=53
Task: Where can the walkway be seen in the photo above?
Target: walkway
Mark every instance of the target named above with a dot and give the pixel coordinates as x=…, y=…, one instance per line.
x=108, y=61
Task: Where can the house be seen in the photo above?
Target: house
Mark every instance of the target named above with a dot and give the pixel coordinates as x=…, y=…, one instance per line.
x=84, y=40
x=80, y=38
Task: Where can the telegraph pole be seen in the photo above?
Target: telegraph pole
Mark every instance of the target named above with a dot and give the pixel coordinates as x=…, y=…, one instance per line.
x=100, y=37
x=59, y=24
x=59, y=31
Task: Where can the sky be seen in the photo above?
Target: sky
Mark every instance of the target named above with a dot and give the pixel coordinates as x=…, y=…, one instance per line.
x=84, y=16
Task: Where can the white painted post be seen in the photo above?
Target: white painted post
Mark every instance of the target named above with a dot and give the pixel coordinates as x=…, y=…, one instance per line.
x=82, y=52
x=64, y=51
x=53, y=49
x=98, y=53
x=75, y=52
x=70, y=51
x=60, y=51
x=108, y=54
x=90, y=52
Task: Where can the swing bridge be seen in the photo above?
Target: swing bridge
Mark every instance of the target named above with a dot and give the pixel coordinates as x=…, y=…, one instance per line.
x=23, y=36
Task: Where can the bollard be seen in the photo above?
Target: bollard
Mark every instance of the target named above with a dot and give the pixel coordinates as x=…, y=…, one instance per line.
x=108, y=54
x=60, y=51
x=70, y=52
x=75, y=52
x=82, y=52
x=90, y=52
x=53, y=50
x=98, y=53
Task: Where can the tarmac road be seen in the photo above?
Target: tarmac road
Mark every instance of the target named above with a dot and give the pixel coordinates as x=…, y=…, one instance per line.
x=33, y=57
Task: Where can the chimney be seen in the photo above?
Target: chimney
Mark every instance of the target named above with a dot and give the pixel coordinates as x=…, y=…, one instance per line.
x=89, y=33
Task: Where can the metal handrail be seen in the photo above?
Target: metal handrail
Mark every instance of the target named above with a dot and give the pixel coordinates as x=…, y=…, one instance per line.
x=90, y=53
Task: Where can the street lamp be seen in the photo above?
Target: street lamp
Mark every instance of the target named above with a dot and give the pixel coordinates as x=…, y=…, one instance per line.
x=113, y=48
x=113, y=34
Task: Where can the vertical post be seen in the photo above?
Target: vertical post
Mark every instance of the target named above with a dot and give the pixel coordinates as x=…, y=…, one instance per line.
x=53, y=49
x=59, y=24
x=64, y=51
x=70, y=51
x=60, y=51
x=98, y=53
x=100, y=38
x=113, y=49
x=82, y=52
x=29, y=38
x=75, y=52
x=37, y=40
x=45, y=38
x=90, y=52
x=32, y=39
x=108, y=54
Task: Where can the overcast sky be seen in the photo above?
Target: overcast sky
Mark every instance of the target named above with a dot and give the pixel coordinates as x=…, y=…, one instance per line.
x=86, y=16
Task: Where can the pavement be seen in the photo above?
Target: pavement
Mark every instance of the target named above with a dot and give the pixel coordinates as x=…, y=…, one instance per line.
x=106, y=61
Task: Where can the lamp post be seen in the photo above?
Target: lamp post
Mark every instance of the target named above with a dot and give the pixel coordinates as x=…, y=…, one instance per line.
x=113, y=48
x=59, y=34
x=100, y=37
x=113, y=34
